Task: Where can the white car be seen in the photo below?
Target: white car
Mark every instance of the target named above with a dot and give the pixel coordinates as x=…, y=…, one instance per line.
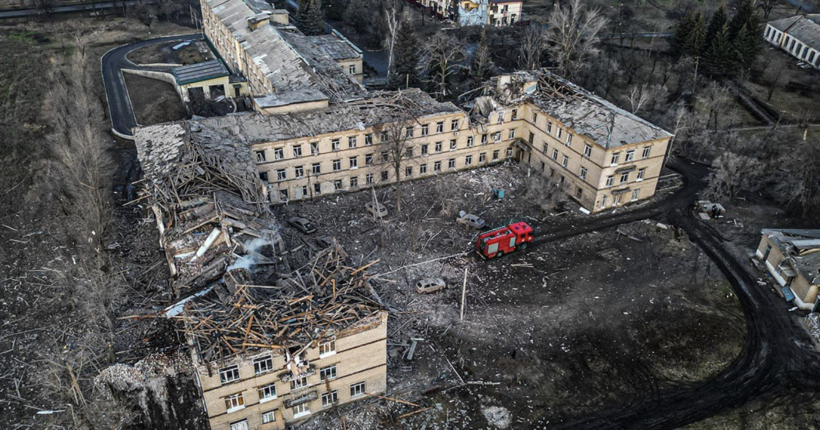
x=381, y=212
x=470, y=220
x=430, y=285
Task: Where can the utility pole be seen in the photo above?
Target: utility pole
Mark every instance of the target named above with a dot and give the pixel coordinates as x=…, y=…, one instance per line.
x=463, y=294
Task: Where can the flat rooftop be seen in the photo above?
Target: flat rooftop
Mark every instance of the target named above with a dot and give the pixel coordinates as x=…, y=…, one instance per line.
x=336, y=48
x=199, y=72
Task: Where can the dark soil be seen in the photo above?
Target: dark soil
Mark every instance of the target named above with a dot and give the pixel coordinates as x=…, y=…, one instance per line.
x=154, y=101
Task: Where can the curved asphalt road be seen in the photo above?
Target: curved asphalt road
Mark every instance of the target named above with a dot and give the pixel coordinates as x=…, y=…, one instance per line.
x=119, y=104
x=778, y=358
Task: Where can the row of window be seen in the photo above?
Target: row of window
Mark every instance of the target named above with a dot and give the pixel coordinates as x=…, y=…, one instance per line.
x=335, y=145
x=328, y=399
x=409, y=171
x=617, y=199
x=264, y=364
x=796, y=48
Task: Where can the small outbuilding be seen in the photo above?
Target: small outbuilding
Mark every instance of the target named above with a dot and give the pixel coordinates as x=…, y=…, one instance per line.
x=792, y=258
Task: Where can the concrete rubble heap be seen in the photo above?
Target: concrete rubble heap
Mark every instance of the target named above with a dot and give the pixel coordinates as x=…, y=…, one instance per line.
x=315, y=302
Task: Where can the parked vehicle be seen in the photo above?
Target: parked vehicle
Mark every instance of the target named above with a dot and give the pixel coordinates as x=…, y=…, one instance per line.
x=430, y=285
x=324, y=242
x=381, y=211
x=302, y=224
x=470, y=220
x=504, y=240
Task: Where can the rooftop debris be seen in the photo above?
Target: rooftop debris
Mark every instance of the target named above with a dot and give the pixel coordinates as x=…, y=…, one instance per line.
x=315, y=302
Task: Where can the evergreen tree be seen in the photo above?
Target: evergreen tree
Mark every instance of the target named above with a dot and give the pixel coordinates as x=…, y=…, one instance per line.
x=682, y=31
x=334, y=9
x=309, y=18
x=715, y=25
x=357, y=15
x=693, y=47
x=721, y=58
x=405, y=58
x=747, y=47
x=745, y=13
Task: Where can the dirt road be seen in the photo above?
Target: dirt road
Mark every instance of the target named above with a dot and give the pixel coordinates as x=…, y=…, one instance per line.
x=778, y=353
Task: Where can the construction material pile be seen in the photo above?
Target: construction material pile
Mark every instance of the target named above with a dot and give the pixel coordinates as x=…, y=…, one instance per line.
x=315, y=302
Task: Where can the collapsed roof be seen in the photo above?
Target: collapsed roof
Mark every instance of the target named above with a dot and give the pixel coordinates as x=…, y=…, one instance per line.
x=373, y=109
x=287, y=57
x=575, y=107
x=801, y=246
x=804, y=28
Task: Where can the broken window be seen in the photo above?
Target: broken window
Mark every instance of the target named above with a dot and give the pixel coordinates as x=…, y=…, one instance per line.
x=534, y=117
x=384, y=137
x=263, y=176
x=385, y=175
x=454, y=125
x=624, y=177
x=354, y=182
x=558, y=134
x=501, y=118
x=283, y=195
x=297, y=150
x=483, y=139
x=565, y=161
x=337, y=184
x=569, y=139
x=497, y=136
x=603, y=202
x=352, y=69
x=299, y=171
x=240, y=425
x=301, y=410
x=609, y=180
x=262, y=364
x=334, y=144
x=587, y=150
x=583, y=173
x=408, y=171
x=317, y=168
x=317, y=189
x=281, y=175
x=453, y=145
x=549, y=127
x=440, y=127
x=304, y=191
x=327, y=373
x=351, y=142
x=468, y=160
x=470, y=141
x=630, y=155
x=368, y=159
x=514, y=115
x=438, y=146
x=641, y=172
x=278, y=153
x=409, y=131
x=357, y=389
x=267, y=392
x=495, y=155
x=543, y=166
x=329, y=399
x=511, y=135
x=451, y=163
x=314, y=148
x=424, y=149
x=229, y=374
x=260, y=156
x=646, y=150
x=615, y=158
x=482, y=157
x=269, y=417
x=409, y=152
x=337, y=165
x=546, y=147
x=555, y=154
x=635, y=194
x=234, y=402
x=354, y=162
x=437, y=166
x=424, y=130
x=422, y=169
x=368, y=139
x=368, y=178
x=385, y=156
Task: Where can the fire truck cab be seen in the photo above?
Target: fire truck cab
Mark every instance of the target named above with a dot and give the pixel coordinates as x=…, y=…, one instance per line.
x=504, y=240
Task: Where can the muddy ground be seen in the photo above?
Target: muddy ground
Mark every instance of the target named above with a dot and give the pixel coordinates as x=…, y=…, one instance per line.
x=154, y=101
x=595, y=320
x=164, y=53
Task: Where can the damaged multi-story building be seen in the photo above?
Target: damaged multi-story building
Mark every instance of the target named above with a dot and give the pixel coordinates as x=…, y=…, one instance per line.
x=604, y=156
x=497, y=13
x=275, y=333
x=265, y=54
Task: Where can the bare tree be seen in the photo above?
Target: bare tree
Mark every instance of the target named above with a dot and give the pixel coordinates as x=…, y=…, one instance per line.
x=719, y=100
x=442, y=56
x=773, y=75
x=732, y=174
x=572, y=36
x=396, y=149
x=533, y=44
x=391, y=16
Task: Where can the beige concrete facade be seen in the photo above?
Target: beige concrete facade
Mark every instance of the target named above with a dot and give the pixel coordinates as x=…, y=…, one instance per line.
x=359, y=355
x=525, y=133
x=786, y=269
x=504, y=13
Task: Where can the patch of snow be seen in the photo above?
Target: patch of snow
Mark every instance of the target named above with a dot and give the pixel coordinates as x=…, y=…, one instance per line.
x=497, y=416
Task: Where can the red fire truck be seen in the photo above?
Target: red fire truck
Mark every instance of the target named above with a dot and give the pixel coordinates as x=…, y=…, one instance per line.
x=504, y=240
